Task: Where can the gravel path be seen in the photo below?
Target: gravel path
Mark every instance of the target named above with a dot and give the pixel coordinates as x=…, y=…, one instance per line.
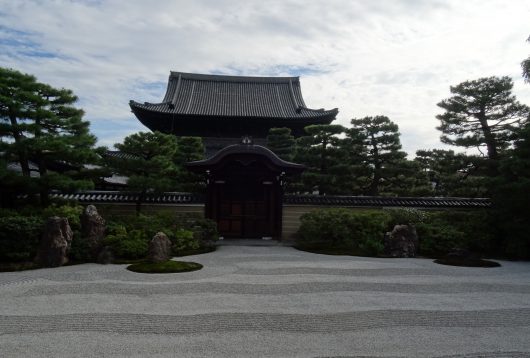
x=269, y=301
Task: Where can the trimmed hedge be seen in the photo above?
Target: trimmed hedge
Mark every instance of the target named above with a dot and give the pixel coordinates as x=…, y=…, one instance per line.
x=443, y=231
x=354, y=232
x=19, y=237
x=129, y=237
x=350, y=231
x=127, y=244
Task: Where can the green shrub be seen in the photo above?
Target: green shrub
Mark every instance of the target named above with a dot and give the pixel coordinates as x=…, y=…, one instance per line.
x=444, y=230
x=71, y=212
x=8, y=212
x=371, y=247
x=438, y=237
x=204, y=230
x=359, y=232
x=151, y=224
x=19, y=237
x=406, y=216
x=80, y=250
x=478, y=228
x=184, y=240
x=125, y=244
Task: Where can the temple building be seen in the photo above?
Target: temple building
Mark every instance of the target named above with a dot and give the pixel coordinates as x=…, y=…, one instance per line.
x=222, y=109
x=244, y=179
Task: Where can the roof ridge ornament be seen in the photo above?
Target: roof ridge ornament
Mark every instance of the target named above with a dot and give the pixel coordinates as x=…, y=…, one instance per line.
x=247, y=140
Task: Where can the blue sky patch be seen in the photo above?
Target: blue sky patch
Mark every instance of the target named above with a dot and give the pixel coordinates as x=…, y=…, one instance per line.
x=19, y=44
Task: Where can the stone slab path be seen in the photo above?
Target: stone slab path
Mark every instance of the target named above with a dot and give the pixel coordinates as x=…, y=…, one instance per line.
x=269, y=301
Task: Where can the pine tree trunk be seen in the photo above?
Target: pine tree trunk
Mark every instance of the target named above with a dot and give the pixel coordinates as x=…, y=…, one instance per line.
x=22, y=155
x=374, y=185
x=141, y=198
x=491, y=143
x=322, y=188
x=44, y=189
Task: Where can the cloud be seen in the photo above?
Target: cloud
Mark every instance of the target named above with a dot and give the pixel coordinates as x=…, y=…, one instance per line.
x=396, y=58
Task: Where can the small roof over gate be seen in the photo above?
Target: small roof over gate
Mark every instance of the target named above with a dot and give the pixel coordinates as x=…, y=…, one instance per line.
x=245, y=153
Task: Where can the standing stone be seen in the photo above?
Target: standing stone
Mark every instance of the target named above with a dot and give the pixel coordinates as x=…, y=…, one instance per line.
x=92, y=229
x=402, y=241
x=159, y=248
x=55, y=243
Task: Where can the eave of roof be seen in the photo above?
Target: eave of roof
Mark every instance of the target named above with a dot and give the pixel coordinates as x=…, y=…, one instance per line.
x=304, y=115
x=245, y=149
x=246, y=97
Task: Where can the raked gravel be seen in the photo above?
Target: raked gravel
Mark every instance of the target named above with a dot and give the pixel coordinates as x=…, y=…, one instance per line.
x=252, y=301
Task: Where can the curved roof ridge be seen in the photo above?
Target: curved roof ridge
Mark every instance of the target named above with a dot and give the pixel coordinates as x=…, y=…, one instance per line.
x=166, y=107
x=253, y=149
x=232, y=78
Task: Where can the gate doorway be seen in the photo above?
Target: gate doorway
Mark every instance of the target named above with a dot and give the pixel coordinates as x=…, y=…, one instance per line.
x=246, y=204
x=244, y=190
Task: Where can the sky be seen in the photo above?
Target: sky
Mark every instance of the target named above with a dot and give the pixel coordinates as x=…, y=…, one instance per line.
x=366, y=57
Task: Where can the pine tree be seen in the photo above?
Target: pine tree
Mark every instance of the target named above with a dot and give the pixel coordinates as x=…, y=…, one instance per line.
x=482, y=114
x=384, y=160
x=450, y=173
x=511, y=197
x=359, y=170
x=41, y=126
x=525, y=65
x=189, y=149
x=282, y=143
x=325, y=158
x=149, y=161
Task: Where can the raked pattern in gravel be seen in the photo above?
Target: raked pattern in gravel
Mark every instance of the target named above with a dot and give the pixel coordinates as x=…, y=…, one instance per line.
x=269, y=302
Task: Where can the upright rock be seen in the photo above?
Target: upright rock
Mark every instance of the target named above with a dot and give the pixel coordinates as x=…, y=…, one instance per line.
x=159, y=248
x=402, y=241
x=55, y=243
x=92, y=229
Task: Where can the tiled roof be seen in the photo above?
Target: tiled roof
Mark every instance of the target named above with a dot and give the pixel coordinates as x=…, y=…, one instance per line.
x=378, y=201
x=316, y=200
x=247, y=150
x=234, y=96
x=119, y=155
x=124, y=197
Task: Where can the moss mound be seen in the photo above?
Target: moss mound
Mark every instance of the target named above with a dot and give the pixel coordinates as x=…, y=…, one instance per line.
x=164, y=267
x=466, y=262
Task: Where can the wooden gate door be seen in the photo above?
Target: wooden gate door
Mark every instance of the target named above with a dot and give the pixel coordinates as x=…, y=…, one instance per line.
x=245, y=209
